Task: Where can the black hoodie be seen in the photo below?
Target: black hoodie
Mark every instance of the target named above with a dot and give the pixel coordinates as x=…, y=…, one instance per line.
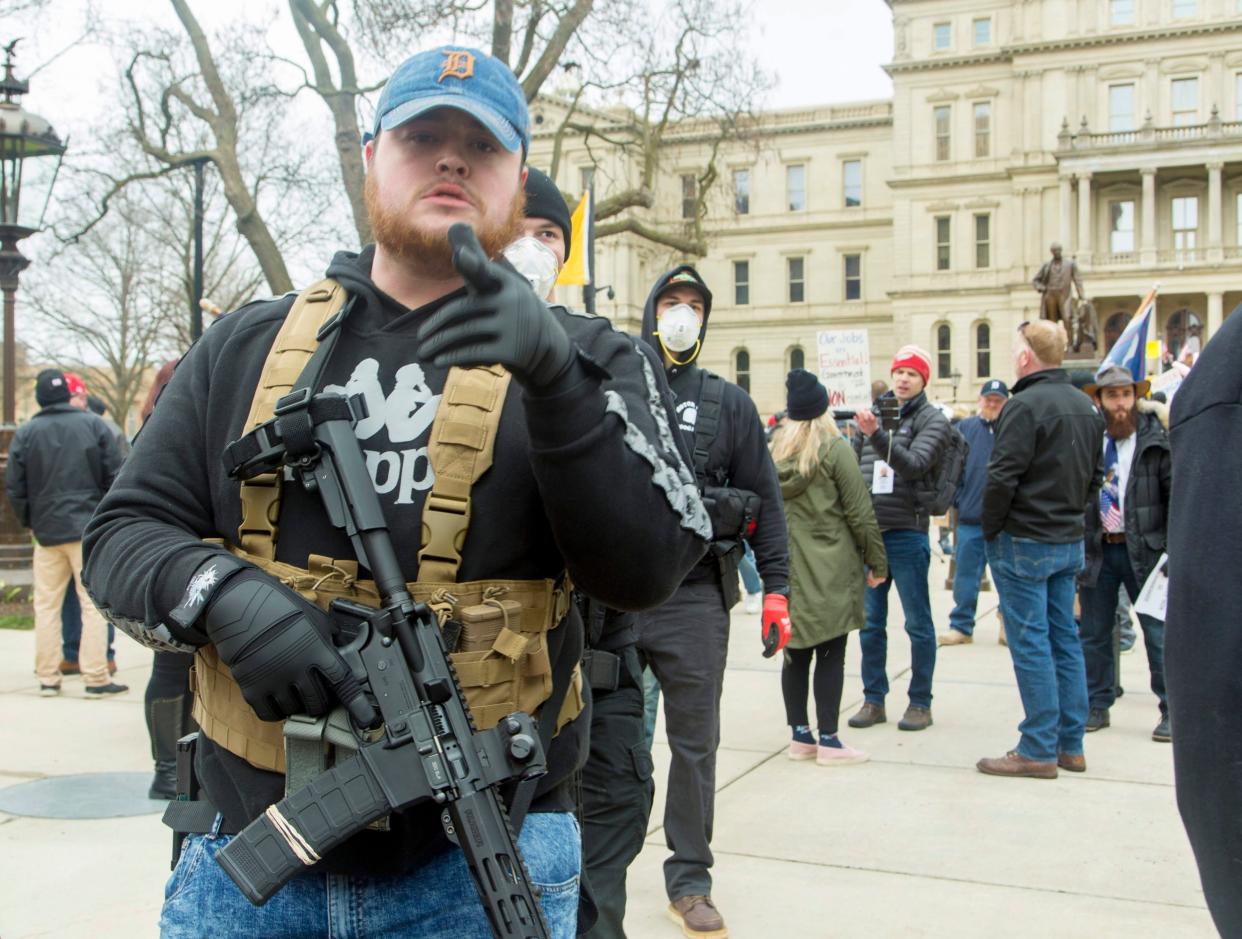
x=597, y=458
x=738, y=456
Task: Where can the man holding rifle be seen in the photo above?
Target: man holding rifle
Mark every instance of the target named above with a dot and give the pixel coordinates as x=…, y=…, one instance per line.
x=499, y=494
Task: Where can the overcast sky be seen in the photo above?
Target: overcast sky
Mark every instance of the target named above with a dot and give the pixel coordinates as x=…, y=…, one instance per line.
x=821, y=53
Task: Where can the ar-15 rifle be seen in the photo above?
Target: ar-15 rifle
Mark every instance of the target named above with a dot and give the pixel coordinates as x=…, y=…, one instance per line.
x=429, y=750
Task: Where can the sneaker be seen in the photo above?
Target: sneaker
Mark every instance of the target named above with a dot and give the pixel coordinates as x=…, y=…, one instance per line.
x=1000, y=637
x=106, y=691
x=915, y=718
x=1162, y=734
x=843, y=755
x=868, y=715
x=1097, y=720
x=954, y=637
x=49, y=691
x=698, y=918
x=1014, y=764
x=801, y=751
x=754, y=602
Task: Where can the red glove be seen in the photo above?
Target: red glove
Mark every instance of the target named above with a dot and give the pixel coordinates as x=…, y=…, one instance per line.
x=776, y=626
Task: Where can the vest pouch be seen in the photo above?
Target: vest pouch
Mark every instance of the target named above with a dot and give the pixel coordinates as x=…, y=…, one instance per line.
x=503, y=665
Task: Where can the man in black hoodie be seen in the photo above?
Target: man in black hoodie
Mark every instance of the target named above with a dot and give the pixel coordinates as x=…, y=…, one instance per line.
x=585, y=478
x=686, y=640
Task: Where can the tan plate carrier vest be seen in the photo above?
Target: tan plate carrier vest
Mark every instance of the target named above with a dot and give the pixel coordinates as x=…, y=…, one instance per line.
x=502, y=660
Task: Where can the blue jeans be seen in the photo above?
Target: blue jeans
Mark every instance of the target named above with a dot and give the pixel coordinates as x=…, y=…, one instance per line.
x=909, y=556
x=970, y=559
x=1099, y=611
x=438, y=901
x=750, y=573
x=1036, y=585
x=71, y=628
x=651, y=704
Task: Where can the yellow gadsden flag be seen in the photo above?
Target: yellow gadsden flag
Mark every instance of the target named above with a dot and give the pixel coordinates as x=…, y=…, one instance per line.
x=577, y=269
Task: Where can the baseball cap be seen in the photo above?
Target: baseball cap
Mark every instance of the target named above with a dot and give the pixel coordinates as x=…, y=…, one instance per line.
x=994, y=386
x=461, y=78
x=75, y=384
x=50, y=387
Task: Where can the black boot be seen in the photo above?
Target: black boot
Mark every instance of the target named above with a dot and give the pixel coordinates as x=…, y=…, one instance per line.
x=168, y=720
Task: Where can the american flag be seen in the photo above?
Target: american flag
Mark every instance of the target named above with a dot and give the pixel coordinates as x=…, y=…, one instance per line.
x=1110, y=504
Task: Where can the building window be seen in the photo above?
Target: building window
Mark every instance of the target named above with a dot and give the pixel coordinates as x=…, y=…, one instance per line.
x=942, y=36
x=941, y=118
x=1185, y=223
x=797, y=358
x=741, y=192
x=1114, y=326
x=1121, y=12
x=689, y=196
x=741, y=369
x=797, y=280
x=795, y=186
x=983, y=128
x=944, y=351
x=853, y=276
x=1183, y=8
x=942, y=242
x=586, y=177
x=1120, y=108
x=1185, y=97
x=1121, y=226
x=983, y=241
x=983, y=350
x=851, y=185
x=983, y=32
x=741, y=283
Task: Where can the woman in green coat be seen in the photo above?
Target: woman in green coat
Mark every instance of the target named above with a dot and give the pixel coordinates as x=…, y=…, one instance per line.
x=834, y=548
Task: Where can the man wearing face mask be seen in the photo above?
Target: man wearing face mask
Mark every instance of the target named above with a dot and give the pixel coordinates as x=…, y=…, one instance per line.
x=617, y=775
x=685, y=641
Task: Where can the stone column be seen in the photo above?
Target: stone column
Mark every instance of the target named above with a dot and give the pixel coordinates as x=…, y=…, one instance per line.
x=1214, y=238
x=1215, y=313
x=1084, y=218
x=1147, y=235
x=1063, y=230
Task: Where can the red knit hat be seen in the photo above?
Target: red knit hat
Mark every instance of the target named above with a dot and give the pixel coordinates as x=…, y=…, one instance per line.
x=75, y=384
x=912, y=356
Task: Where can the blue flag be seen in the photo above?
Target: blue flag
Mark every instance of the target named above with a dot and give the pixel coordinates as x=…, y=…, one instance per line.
x=1130, y=349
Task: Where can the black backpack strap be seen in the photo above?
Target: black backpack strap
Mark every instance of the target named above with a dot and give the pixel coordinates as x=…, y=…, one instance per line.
x=707, y=423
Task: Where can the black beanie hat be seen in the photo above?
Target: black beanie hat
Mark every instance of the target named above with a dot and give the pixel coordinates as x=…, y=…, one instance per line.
x=806, y=399
x=544, y=200
x=51, y=387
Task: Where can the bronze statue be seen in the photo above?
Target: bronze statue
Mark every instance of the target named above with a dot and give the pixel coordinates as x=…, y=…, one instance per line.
x=1056, y=282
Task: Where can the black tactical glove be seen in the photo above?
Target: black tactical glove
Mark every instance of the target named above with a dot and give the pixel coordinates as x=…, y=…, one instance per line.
x=279, y=648
x=500, y=320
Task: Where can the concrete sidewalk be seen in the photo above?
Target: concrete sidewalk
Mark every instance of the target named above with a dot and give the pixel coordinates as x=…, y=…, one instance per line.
x=914, y=843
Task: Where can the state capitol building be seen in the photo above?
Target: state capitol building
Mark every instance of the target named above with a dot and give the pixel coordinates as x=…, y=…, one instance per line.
x=1111, y=126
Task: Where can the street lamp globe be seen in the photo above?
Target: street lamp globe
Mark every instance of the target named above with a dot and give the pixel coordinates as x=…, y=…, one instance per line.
x=955, y=377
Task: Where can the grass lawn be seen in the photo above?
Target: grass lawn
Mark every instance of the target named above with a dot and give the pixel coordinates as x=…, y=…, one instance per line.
x=16, y=622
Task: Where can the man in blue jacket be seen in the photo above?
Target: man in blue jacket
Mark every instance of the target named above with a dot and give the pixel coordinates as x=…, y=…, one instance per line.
x=970, y=558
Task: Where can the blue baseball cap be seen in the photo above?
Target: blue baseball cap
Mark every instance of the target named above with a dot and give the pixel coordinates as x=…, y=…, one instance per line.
x=461, y=78
x=994, y=386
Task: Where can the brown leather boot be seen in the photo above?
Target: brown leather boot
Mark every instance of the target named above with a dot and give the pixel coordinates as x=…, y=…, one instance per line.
x=868, y=715
x=1074, y=762
x=1014, y=764
x=698, y=918
x=915, y=718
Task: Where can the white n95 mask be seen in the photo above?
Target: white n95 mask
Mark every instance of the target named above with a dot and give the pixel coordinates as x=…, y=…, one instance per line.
x=678, y=328
x=536, y=262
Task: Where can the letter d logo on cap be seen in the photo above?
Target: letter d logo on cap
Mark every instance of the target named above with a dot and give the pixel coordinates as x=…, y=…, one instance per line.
x=457, y=64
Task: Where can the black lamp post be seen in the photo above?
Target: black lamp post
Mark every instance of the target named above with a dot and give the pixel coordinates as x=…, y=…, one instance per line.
x=25, y=188
x=955, y=377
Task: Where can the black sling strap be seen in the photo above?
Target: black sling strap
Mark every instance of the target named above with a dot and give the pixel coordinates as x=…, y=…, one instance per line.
x=707, y=423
